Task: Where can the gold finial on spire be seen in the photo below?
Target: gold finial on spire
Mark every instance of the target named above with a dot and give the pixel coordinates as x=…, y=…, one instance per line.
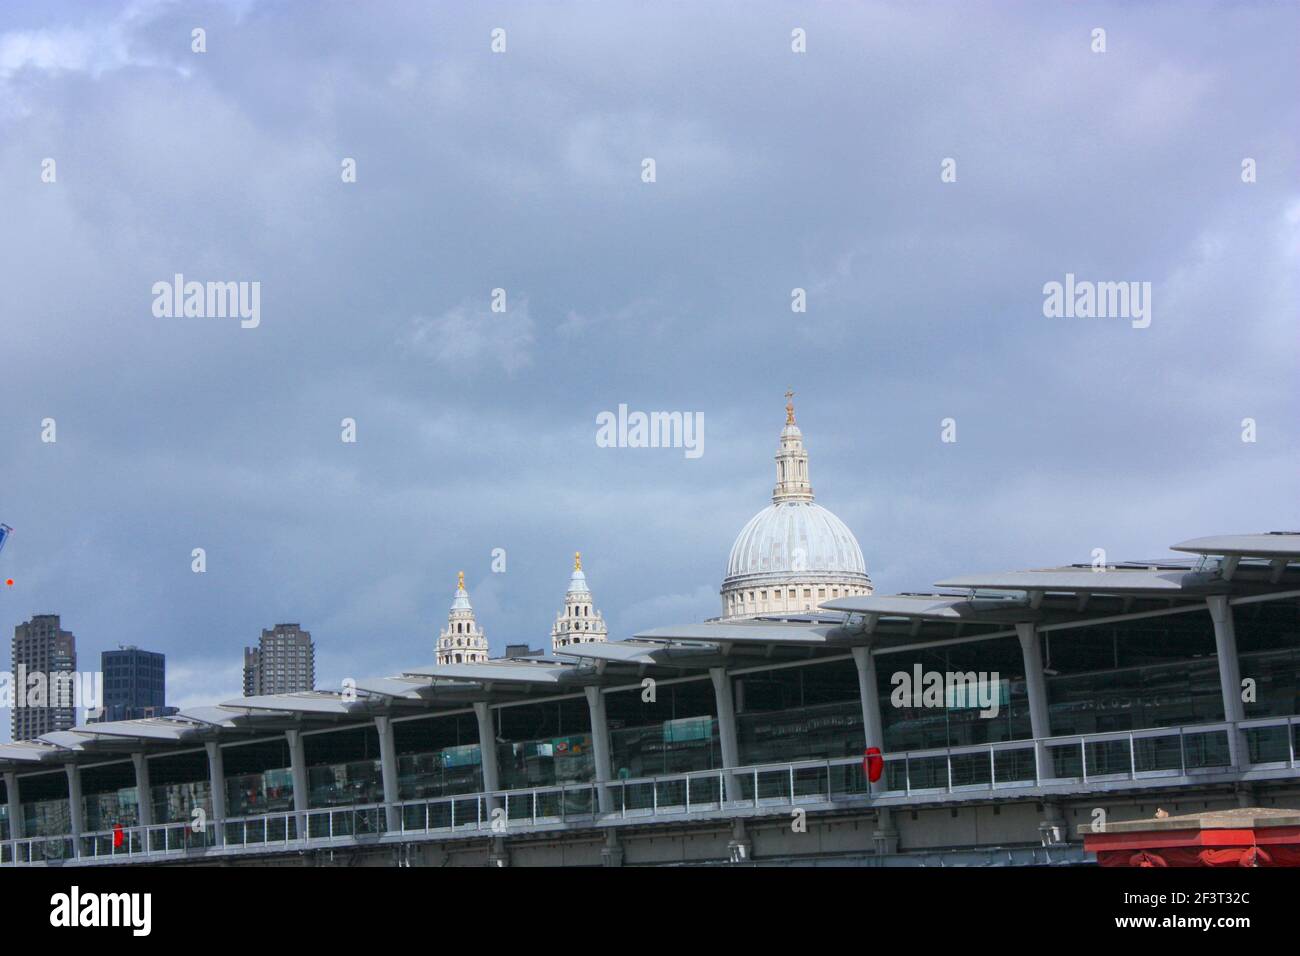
x=460, y=580
x=789, y=406
x=577, y=560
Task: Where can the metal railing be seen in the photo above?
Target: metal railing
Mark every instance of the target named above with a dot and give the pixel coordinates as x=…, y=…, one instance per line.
x=350, y=822
x=49, y=849
x=157, y=840
x=501, y=810
x=1150, y=757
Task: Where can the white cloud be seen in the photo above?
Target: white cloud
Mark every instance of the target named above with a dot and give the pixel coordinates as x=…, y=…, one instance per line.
x=203, y=682
x=94, y=48
x=468, y=336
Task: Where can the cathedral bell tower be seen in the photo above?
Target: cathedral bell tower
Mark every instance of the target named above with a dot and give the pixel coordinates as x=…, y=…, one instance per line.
x=578, y=622
x=462, y=641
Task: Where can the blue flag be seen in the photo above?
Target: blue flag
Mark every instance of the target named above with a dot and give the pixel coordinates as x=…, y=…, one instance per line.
x=5, y=531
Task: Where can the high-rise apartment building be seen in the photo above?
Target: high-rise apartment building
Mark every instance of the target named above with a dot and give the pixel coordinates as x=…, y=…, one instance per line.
x=42, y=647
x=283, y=662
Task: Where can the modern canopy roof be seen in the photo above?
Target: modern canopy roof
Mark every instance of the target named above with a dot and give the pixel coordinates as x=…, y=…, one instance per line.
x=150, y=728
x=1275, y=544
x=408, y=688
x=27, y=751
x=506, y=672
x=638, y=651
x=1111, y=580
x=937, y=606
x=214, y=716
x=65, y=739
x=311, y=702
x=750, y=632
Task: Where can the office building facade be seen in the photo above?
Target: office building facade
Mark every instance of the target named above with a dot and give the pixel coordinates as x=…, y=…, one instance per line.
x=135, y=684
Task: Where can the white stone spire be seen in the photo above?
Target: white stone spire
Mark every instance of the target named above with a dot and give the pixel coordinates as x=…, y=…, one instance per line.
x=578, y=622
x=792, y=482
x=463, y=641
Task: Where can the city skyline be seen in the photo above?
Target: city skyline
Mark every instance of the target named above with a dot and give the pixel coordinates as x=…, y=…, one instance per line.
x=478, y=430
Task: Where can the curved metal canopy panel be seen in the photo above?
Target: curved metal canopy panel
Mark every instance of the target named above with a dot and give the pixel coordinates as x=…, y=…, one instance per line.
x=934, y=606
x=753, y=632
x=27, y=751
x=308, y=703
x=642, y=652
x=1277, y=544
x=151, y=728
x=505, y=672
x=1082, y=580
x=412, y=688
x=213, y=715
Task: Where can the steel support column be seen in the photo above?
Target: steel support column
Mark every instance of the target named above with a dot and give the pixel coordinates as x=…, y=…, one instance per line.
x=15, y=808
x=487, y=745
x=74, y=806
x=1225, y=647
x=217, y=789
x=298, y=765
x=869, y=694
x=487, y=748
x=388, y=771
x=726, y=708
x=144, y=798
x=1040, y=724
x=600, y=747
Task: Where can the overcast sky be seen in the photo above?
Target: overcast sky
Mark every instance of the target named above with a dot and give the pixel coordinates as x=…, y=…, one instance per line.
x=522, y=170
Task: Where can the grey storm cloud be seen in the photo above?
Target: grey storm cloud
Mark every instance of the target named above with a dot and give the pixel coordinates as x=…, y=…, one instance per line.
x=522, y=171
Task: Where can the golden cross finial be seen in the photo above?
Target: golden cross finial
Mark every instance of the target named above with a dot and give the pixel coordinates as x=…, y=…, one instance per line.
x=789, y=406
x=577, y=560
x=460, y=580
